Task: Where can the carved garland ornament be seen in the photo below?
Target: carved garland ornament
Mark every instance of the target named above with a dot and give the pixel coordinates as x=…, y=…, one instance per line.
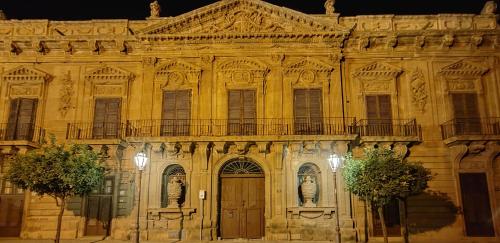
x=66, y=94
x=418, y=90
x=242, y=73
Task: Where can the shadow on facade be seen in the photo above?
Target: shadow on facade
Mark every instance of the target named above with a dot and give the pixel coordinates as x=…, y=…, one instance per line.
x=430, y=211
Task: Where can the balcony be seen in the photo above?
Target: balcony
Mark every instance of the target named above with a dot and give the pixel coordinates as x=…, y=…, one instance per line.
x=389, y=128
x=26, y=132
x=90, y=130
x=236, y=127
x=471, y=128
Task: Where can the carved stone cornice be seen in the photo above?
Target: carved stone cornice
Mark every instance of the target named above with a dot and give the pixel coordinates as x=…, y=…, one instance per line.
x=463, y=69
x=378, y=70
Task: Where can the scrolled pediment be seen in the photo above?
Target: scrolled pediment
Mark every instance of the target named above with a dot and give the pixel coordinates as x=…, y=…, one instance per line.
x=241, y=16
x=242, y=71
x=177, y=73
x=23, y=74
x=463, y=69
x=107, y=73
x=378, y=69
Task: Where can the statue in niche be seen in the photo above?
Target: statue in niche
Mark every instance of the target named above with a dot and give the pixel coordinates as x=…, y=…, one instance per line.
x=489, y=8
x=2, y=15
x=329, y=7
x=309, y=190
x=155, y=9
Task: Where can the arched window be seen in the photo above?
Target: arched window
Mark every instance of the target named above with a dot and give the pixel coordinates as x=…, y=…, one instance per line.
x=173, y=173
x=241, y=167
x=311, y=171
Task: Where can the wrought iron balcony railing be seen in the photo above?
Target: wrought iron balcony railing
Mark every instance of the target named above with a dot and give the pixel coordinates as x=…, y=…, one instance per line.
x=22, y=132
x=239, y=127
x=470, y=126
x=90, y=130
x=388, y=127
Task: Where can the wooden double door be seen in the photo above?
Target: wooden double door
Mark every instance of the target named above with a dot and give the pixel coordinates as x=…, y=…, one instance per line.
x=242, y=207
x=11, y=214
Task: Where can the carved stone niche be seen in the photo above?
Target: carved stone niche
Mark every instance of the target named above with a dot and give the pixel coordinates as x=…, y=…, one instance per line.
x=175, y=74
x=25, y=82
x=463, y=76
x=308, y=73
x=109, y=81
x=239, y=73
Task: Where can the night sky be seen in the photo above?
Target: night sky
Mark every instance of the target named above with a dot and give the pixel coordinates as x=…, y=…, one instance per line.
x=139, y=9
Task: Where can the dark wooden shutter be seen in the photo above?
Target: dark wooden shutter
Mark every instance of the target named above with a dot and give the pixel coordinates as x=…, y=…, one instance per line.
x=465, y=110
x=176, y=113
x=242, y=112
x=379, y=115
x=476, y=204
x=21, y=119
x=308, y=111
x=107, y=118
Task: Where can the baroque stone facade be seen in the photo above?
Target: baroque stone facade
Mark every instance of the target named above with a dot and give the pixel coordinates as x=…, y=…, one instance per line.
x=242, y=92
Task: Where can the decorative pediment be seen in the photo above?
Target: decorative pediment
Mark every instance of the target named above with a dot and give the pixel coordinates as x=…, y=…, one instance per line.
x=107, y=73
x=308, y=72
x=463, y=69
x=308, y=64
x=229, y=17
x=378, y=70
x=177, y=73
x=22, y=74
x=242, y=72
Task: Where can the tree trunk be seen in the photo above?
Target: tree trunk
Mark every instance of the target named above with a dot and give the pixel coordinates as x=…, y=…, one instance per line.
x=403, y=219
x=380, y=210
x=59, y=219
x=366, y=221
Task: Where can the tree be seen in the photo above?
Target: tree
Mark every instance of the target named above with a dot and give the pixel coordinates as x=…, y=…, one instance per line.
x=382, y=176
x=57, y=170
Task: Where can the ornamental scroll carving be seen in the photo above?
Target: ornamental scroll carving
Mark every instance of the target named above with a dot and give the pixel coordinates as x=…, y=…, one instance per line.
x=377, y=77
x=463, y=76
x=176, y=73
x=242, y=73
x=308, y=73
x=418, y=90
x=66, y=94
x=25, y=82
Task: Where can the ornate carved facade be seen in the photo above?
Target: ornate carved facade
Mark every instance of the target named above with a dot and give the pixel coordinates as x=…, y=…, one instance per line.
x=245, y=98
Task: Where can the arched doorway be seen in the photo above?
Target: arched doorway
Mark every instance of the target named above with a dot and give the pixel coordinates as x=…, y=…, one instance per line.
x=241, y=200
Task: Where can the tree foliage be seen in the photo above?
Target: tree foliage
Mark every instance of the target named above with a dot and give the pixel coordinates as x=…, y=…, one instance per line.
x=382, y=176
x=57, y=170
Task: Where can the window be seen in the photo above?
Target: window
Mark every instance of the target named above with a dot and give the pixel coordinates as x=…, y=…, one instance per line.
x=242, y=112
x=173, y=173
x=176, y=113
x=21, y=123
x=106, y=118
x=308, y=111
x=379, y=115
x=465, y=110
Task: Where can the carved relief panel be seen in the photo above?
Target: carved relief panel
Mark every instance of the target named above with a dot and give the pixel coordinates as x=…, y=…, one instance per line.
x=308, y=73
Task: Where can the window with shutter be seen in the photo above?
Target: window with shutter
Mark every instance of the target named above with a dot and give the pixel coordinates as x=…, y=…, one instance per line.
x=21, y=124
x=308, y=111
x=242, y=112
x=106, y=118
x=176, y=113
x=379, y=115
x=465, y=110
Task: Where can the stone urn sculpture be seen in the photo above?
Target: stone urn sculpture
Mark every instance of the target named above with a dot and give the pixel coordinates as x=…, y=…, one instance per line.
x=308, y=189
x=174, y=189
